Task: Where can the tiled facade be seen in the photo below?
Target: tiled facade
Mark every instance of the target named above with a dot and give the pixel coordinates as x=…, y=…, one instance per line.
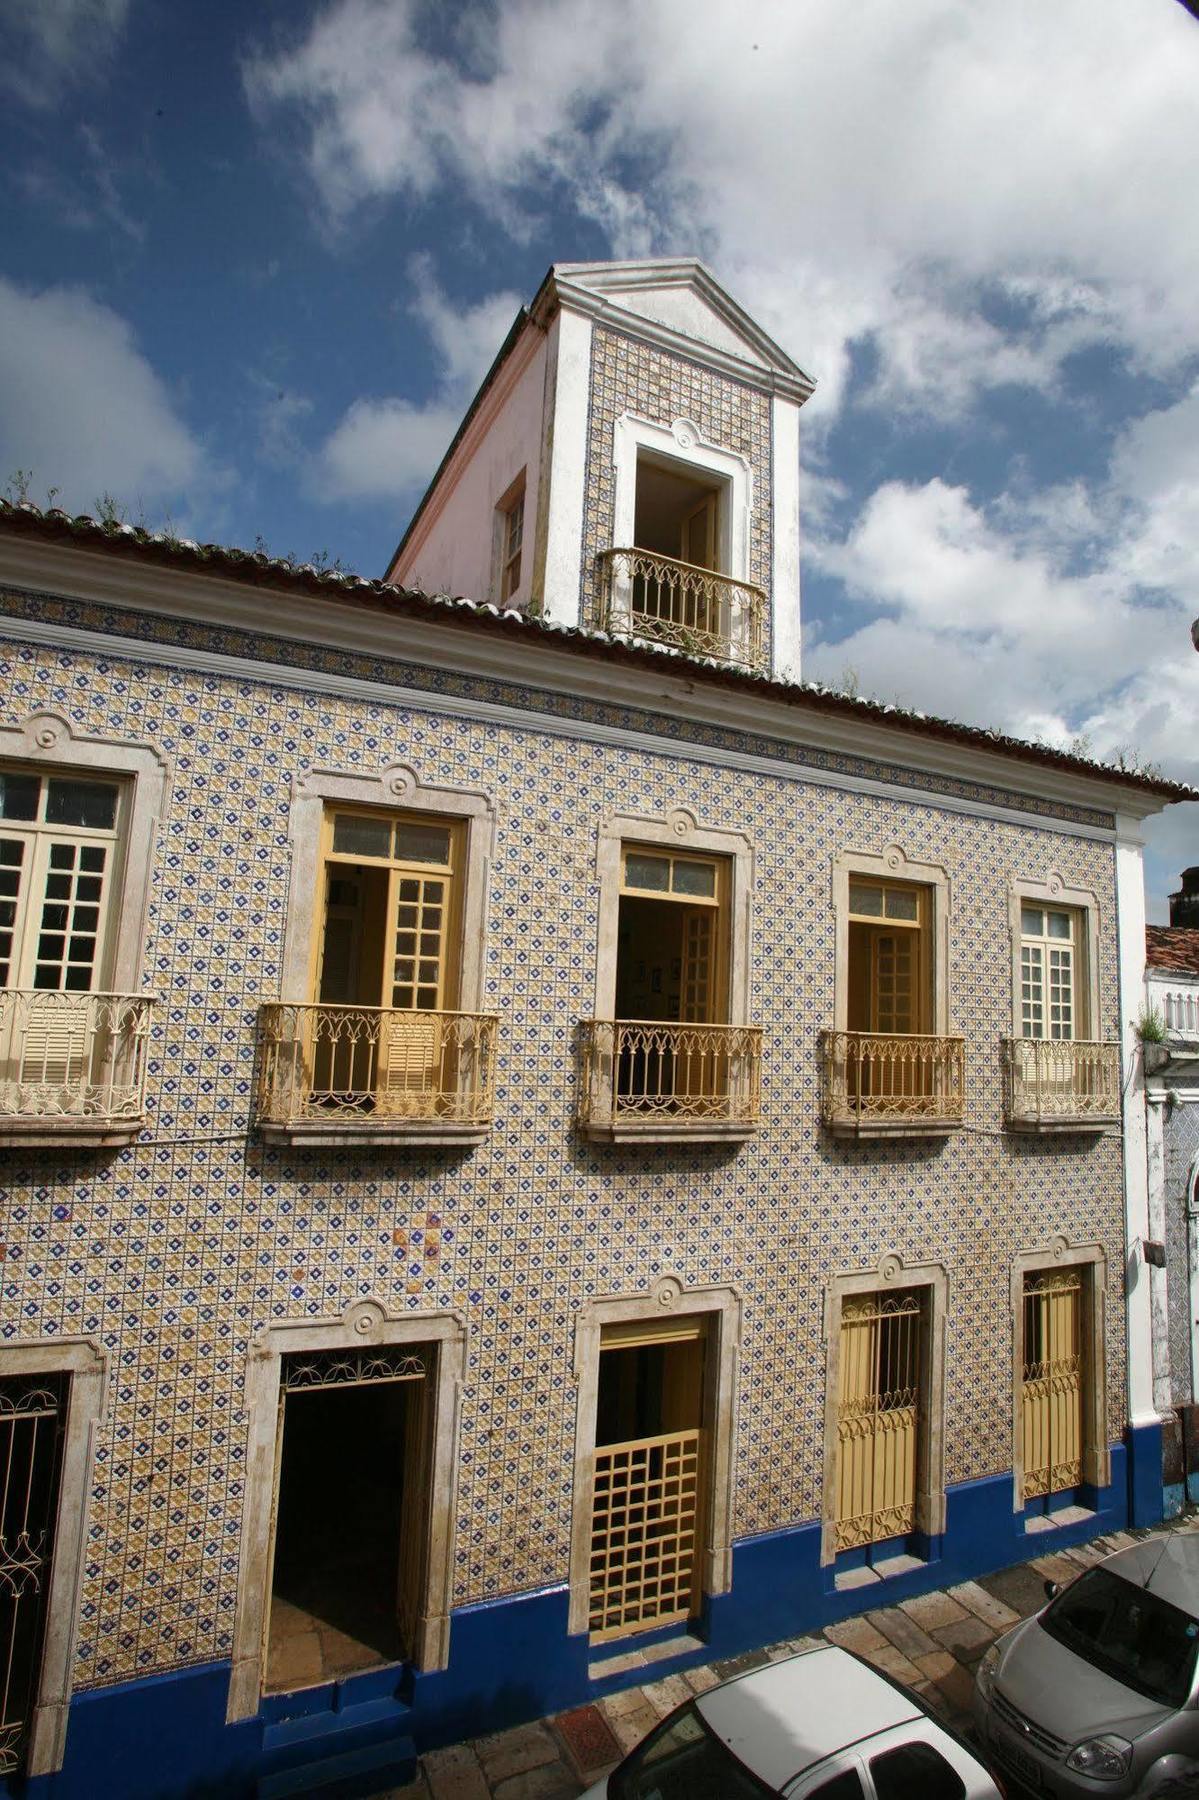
x=178, y=1252
x=628, y=376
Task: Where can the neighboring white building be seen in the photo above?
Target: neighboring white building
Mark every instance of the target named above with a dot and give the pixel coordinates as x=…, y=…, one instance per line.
x=1172, y=1096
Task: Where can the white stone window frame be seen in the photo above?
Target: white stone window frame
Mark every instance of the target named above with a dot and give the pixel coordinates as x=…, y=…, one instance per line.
x=364, y=1322
x=46, y=743
x=86, y=1364
x=396, y=788
x=668, y=1297
x=1059, y=1253
x=893, y=864
x=679, y=829
x=890, y=1275
x=1053, y=891
x=681, y=444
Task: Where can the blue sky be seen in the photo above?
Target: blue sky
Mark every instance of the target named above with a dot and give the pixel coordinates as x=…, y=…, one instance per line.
x=253, y=262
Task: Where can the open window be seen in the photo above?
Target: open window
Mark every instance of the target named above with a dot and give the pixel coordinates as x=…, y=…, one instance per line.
x=72, y=1051
x=677, y=571
x=675, y=1058
x=889, y=1065
x=1058, y=1075
x=509, y=540
x=384, y=1045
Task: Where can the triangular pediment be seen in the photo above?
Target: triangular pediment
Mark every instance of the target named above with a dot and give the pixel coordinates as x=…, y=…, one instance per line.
x=679, y=298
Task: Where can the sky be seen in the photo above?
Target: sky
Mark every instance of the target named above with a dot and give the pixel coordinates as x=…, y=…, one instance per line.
x=255, y=259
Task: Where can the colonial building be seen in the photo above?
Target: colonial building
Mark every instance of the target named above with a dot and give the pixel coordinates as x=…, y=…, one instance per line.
x=1171, y=1054
x=534, y=1142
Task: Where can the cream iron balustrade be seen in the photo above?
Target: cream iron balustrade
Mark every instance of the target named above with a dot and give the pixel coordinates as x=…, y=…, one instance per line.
x=1060, y=1084
x=880, y=1084
x=337, y=1074
x=72, y=1066
x=696, y=610
x=660, y=1082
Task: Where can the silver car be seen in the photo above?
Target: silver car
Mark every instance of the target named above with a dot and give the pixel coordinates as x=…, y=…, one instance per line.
x=1096, y=1695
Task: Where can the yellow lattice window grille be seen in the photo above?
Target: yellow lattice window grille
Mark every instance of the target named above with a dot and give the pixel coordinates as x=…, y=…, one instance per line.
x=879, y=1411
x=649, y=1474
x=1052, y=1381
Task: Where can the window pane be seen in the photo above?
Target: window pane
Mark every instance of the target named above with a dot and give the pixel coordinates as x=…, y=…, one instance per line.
x=1032, y=921
x=866, y=898
x=902, y=903
x=846, y=1786
x=915, y=1769
x=694, y=878
x=422, y=843
x=652, y=872
x=92, y=804
x=18, y=796
x=1059, y=924
x=354, y=835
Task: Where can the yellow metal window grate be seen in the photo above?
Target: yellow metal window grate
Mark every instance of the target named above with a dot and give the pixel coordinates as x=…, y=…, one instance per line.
x=878, y=1412
x=1051, y=1389
x=645, y=1533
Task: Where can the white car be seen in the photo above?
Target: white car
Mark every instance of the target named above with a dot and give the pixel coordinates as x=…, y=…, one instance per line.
x=822, y=1724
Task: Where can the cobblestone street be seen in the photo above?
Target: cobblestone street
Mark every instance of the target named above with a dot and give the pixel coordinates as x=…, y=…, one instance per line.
x=930, y=1643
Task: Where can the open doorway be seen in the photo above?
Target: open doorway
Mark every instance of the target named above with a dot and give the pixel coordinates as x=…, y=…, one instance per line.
x=677, y=514
x=650, y=1476
x=349, y=1552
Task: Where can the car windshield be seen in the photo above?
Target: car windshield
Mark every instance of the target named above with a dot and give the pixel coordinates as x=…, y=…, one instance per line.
x=1137, y=1637
x=683, y=1760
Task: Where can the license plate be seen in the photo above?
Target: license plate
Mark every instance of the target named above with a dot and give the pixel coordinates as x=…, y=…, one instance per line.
x=1019, y=1761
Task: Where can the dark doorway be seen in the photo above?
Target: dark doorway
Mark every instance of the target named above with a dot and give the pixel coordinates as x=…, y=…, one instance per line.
x=348, y=1454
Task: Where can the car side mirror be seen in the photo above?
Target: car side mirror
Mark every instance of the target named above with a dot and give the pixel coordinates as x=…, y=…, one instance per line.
x=1052, y=1590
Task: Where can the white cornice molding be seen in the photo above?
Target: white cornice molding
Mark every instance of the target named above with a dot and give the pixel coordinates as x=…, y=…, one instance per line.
x=182, y=656
x=536, y=661
x=779, y=376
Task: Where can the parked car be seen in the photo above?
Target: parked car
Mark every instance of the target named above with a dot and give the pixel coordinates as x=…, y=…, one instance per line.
x=822, y=1724
x=1097, y=1693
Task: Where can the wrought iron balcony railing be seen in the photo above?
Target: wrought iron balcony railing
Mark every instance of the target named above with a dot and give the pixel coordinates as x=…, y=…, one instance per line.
x=72, y=1066
x=332, y=1074
x=1059, y=1084
x=697, y=610
x=646, y=1079
x=879, y=1084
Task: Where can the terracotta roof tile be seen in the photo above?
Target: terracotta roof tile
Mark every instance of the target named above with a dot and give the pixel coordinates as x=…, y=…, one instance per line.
x=1173, y=947
x=24, y=519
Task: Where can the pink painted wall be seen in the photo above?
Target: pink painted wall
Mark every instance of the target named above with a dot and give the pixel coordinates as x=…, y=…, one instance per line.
x=451, y=550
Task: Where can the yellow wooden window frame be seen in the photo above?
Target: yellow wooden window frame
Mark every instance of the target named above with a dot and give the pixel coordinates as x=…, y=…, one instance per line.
x=1046, y=944
x=399, y=868
x=716, y=903
x=40, y=837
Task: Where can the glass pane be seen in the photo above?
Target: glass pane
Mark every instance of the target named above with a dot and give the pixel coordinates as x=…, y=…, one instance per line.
x=866, y=898
x=91, y=804
x=1059, y=924
x=915, y=1769
x=652, y=872
x=902, y=903
x=62, y=856
x=18, y=796
x=422, y=843
x=92, y=856
x=354, y=835
x=1032, y=921
x=694, y=878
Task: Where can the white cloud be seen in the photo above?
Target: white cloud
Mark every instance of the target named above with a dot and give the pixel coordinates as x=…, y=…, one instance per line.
x=53, y=42
x=850, y=172
x=383, y=448
x=389, y=447
x=81, y=407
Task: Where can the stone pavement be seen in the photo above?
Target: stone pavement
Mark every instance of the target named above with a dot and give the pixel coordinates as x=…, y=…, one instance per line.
x=930, y=1643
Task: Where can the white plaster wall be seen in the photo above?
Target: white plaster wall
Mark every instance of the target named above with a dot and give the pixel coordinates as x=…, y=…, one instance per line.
x=560, y=545
x=452, y=549
x=1130, y=911
x=785, y=565
x=685, y=311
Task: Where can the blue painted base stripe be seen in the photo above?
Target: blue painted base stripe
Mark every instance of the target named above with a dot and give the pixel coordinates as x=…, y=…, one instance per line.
x=514, y=1659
